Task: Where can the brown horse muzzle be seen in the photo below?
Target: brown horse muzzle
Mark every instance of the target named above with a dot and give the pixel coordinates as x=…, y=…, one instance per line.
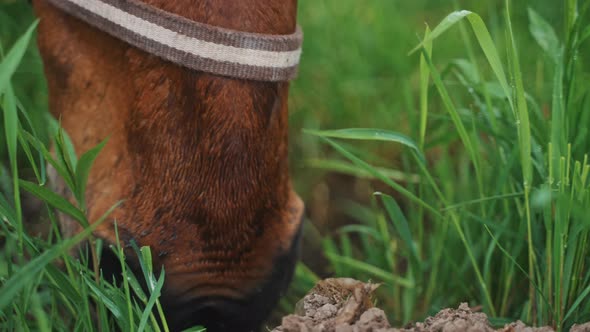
x=200, y=160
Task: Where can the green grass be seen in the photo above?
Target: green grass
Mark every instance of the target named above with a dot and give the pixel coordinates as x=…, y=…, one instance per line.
x=499, y=216
x=478, y=160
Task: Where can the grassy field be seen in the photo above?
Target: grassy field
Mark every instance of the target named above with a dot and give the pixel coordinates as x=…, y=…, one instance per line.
x=472, y=186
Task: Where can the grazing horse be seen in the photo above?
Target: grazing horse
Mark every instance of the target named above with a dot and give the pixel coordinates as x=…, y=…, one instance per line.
x=199, y=158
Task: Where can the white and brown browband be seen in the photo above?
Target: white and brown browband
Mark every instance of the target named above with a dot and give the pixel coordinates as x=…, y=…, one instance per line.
x=192, y=44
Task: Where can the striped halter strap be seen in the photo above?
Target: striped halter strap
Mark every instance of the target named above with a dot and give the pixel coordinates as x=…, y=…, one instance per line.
x=207, y=48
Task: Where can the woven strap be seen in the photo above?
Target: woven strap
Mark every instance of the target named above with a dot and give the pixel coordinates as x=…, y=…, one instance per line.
x=192, y=44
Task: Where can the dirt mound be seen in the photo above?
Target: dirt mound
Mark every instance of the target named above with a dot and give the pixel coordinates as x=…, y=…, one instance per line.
x=345, y=305
x=581, y=328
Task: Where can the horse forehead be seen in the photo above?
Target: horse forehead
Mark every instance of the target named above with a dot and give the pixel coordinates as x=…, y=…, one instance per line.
x=258, y=16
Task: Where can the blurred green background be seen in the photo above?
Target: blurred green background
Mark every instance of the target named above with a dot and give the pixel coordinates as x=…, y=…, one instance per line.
x=356, y=73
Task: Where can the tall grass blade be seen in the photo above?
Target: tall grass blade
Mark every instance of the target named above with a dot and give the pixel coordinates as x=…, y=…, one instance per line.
x=583, y=296
x=32, y=269
x=108, y=300
x=368, y=134
x=424, y=80
x=401, y=225
x=340, y=166
x=11, y=131
x=55, y=201
x=360, y=163
x=386, y=276
x=524, y=135
x=456, y=118
x=155, y=294
x=59, y=167
x=14, y=56
x=83, y=170
x=485, y=42
x=544, y=34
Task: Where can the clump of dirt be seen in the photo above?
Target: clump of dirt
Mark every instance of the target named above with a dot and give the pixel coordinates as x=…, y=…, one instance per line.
x=331, y=305
x=581, y=328
x=345, y=305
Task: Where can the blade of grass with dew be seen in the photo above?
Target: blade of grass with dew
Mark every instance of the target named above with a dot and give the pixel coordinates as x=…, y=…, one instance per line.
x=83, y=170
x=28, y=272
x=424, y=80
x=145, y=261
x=583, y=296
x=400, y=223
x=381, y=224
x=85, y=320
x=547, y=39
x=155, y=294
x=343, y=167
x=571, y=15
x=423, y=123
x=518, y=266
x=361, y=229
x=40, y=170
x=40, y=314
x=307, y=274
x=485, y=42
x=65, y=284
x=368, y=134
x=384, y=276
x=128, y=279
x=7, y=68
x=571, y=254
x=473, y=63
x=47, y=156
x=65, y=151
x=455, y=220
x=7, y=211
x=544, y=34
x=109, y=300
x=14, y=56
x=345, y=250
x=456, y=118
x=360, y=163
x=524, y=134
x=55, y=201
x=11, y=131
x=480, y=200
x=196, y=329
x=329, y=248
x=415, y=273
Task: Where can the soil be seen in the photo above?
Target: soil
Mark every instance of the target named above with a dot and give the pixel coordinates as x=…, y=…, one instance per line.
x=345, y=305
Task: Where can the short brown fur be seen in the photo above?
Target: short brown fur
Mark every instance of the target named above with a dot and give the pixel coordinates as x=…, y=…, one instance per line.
x=200, y=160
